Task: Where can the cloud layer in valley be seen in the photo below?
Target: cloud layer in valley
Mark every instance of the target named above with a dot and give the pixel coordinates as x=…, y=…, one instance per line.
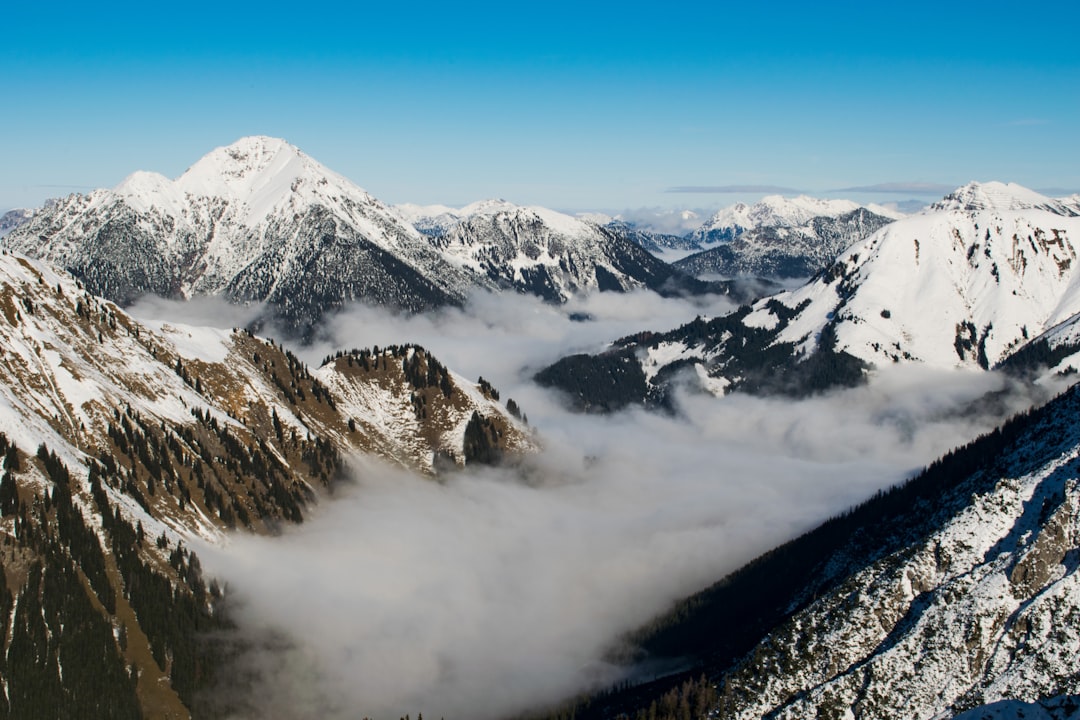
x=496, y=590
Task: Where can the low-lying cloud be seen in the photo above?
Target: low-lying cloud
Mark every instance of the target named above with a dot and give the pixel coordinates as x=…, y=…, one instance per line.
x=497, y=590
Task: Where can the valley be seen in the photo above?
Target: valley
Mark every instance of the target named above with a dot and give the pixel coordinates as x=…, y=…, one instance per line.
x=504, y=458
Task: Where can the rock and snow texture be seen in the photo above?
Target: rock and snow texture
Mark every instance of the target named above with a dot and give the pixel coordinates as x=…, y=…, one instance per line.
x=259, y=221
x=967, y=283
x=255, y=221
x=70, y=362
x=13, y=219
x=964, y=283
x=982, y=613
x=781, y=237
x=539, y=251
x=771, y=211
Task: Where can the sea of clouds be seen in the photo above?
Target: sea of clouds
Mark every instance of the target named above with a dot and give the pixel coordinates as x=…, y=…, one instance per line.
x=493, y=591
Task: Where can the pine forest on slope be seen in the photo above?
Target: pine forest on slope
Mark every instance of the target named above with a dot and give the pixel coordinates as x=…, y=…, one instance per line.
x=122, y=440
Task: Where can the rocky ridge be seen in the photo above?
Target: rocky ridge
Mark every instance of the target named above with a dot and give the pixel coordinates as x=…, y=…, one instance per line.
x=124, y=441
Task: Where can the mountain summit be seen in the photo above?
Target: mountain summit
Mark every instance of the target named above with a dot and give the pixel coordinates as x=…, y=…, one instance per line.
x=966, y=283
x=260, y=221
x=255, y=221
x=976, y=196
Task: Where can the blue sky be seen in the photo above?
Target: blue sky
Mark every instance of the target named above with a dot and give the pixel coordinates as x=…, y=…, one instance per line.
x=571, y=105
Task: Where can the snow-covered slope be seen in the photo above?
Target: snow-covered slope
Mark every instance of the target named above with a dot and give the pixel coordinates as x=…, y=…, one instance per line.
x=71, y=360
x=954, y=594
x=967, y=282
x=543, y=252
x=256, y=221
x=981, y=609
x=964, y=284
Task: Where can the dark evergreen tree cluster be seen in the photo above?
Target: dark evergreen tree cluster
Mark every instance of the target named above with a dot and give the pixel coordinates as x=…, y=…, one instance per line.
x=66, y=654
x=297, y=378
x=487, y=389
x=482, y=441
x=970, y=341
x=9, y=491
x=598, y=383
x=1037, y=355
x=207, y=463
x=175, y=613
x=513, y=408
x=421, y=369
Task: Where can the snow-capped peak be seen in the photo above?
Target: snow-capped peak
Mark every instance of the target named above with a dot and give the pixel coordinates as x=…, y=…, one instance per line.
x=244, y=221
x=260, y=172
x=240, y=164
x=144, y=190
x=771, y=211
x=486, y=207
x=1000, y=196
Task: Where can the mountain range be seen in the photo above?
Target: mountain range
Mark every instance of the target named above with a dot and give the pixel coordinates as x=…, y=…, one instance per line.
x=259, y=221
x=966, y=283
x=552, y=255
x=781, y=239
x=125, y=440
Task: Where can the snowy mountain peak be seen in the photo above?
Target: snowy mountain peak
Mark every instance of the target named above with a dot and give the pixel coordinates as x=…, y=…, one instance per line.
x=963, y=284
x=773, y=211
x=486, y=207
x=144, y=190
x=999, y=196
x=260, y=171
x=256, y=221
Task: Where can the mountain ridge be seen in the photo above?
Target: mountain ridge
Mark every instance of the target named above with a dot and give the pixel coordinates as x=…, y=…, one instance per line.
x=249, y=221
x=945, y=594
x=124, y=441
x=949, y=287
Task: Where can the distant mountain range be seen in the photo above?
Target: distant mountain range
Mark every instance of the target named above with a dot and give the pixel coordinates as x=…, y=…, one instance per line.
x=259, y=221
x=779, y=244
x=968, y=282
x=954, y=594
x=545, y=253
x=13, y=219
x=776, y=238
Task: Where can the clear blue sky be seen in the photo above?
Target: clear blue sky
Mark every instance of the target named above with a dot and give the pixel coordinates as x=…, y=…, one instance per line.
x=573, y=105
